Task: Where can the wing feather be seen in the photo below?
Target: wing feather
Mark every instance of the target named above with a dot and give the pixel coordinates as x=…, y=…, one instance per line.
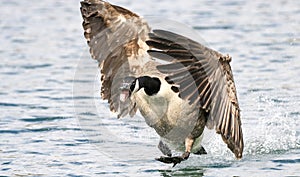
x=114, y=35
x=212, y=81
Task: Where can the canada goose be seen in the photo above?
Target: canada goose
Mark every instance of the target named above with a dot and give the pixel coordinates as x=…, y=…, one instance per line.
x=192, y=90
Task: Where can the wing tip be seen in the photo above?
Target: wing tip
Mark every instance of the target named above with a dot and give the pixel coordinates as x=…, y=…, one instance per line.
x=235, y=147
x=238, y=152
x=225, y=58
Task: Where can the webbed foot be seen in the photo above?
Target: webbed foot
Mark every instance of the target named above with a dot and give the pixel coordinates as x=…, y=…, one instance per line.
x=175, y=160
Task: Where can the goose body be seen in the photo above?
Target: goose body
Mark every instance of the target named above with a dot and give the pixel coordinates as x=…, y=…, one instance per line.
x=172, y=117
x=194, y=89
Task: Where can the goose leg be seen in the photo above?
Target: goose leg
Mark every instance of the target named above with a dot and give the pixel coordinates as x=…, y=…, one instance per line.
x=177, y=159
x=164, y=148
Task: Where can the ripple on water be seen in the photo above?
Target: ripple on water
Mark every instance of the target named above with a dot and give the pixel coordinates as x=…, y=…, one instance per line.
x=187, y=171
x=34, y=90
x=42, y=119
x=285, y=161
x=29, y=106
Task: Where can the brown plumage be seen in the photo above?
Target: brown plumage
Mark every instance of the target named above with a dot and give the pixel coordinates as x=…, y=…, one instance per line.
x=215, y=91
x=113, y=33
x=123, y=44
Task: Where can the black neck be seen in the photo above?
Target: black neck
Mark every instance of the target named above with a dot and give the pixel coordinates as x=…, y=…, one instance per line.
x=151, y=85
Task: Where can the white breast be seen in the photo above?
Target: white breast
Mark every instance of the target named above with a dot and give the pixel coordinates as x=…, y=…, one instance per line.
x=167, y=113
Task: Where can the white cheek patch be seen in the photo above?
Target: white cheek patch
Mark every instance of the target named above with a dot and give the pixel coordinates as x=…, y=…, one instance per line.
x=137, y=87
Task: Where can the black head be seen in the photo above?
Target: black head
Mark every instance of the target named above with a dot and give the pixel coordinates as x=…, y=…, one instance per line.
x=151, y=85
x=134, y=87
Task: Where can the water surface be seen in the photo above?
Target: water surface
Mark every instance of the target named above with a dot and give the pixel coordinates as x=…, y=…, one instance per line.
x=46, y=130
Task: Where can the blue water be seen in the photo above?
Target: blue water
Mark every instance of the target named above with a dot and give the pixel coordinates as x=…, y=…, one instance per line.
x=53, y=123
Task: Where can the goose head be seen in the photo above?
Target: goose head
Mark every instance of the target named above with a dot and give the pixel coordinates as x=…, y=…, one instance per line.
x=150, y=85
x=130, y=85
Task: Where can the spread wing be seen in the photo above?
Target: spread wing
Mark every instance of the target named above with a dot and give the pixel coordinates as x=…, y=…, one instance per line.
x=116, y=38
x=211, y=87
